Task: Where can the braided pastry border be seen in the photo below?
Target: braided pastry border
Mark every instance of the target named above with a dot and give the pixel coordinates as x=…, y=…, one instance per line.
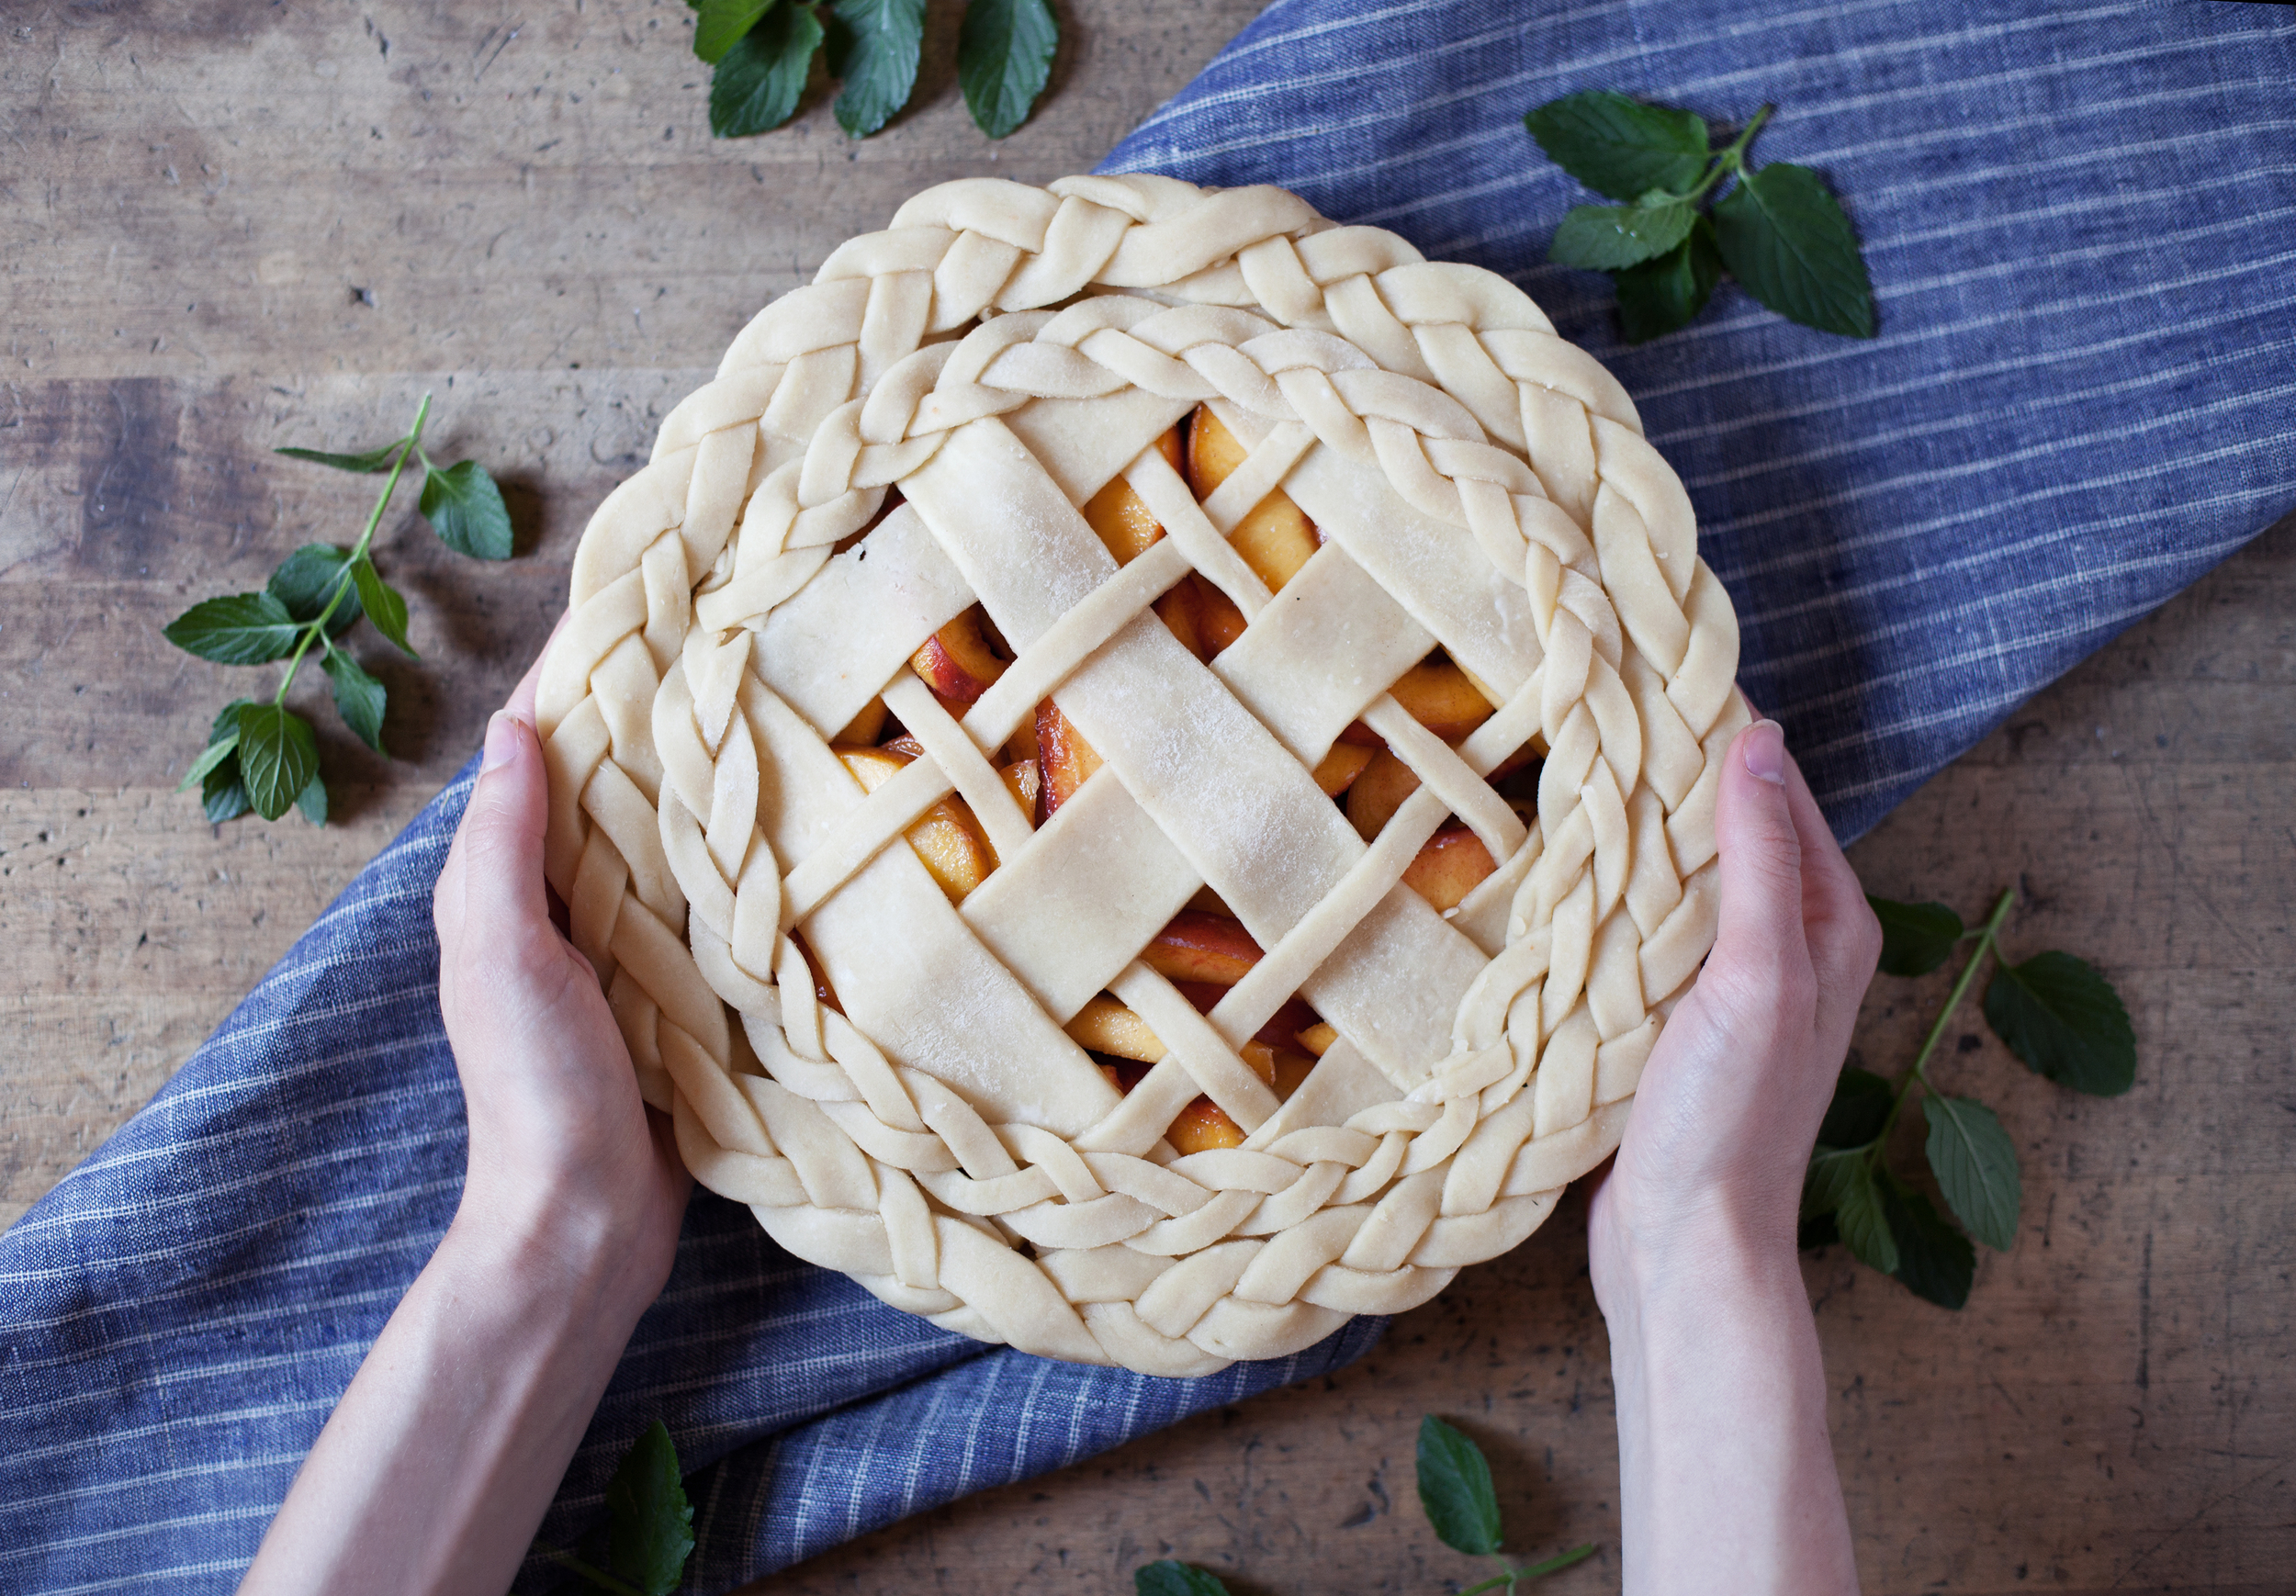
x=1451, y=382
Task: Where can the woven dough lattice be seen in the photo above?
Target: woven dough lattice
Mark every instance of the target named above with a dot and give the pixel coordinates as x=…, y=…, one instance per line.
x=944, y=742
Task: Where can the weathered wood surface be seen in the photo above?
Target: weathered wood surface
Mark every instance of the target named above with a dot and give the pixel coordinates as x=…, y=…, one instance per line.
x=233, y=227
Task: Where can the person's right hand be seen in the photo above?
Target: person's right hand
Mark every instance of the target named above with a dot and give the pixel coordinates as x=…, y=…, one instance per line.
x=1729, y=1103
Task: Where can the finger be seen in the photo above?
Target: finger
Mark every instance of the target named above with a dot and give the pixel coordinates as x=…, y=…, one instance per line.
x=1761, y=851
x=496, y=868
x=1844, y=939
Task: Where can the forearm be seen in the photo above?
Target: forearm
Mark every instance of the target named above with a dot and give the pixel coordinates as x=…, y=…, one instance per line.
x=1726, y=1473
x=441, y=1457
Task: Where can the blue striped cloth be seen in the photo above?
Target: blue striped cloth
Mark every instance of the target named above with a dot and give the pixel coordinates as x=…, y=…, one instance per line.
x=2081, y=224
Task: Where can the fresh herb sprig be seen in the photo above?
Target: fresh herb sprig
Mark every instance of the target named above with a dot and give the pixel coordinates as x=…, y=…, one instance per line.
x=1455, y=1490
x=2055, y=1012
x=1776, y=228
x=262, y=756
x=762, y=51
x=649, y=1532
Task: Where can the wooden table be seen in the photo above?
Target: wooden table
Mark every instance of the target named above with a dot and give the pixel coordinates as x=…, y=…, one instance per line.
x=229, y=228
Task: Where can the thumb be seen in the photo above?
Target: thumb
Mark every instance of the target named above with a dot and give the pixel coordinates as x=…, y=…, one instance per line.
x=494, y=876
x=1761, y=853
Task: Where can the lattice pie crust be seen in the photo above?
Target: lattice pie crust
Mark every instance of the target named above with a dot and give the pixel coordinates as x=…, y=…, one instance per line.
x=914, y=1109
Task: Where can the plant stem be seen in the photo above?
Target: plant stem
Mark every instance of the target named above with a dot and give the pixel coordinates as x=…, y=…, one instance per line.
x=409, y=445
x=1491, y=1584
x=597, y=1577
x=1728, y=161
x=1918, y=1069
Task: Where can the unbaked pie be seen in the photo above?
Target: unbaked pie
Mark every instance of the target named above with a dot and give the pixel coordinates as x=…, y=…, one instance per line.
x=1139, y=767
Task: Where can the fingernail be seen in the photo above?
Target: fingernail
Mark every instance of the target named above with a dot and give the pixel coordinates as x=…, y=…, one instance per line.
x=1765, y=752
x=502, y=740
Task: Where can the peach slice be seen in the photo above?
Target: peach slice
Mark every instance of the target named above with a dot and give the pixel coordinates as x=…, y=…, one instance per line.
x=1317, y=1038
x=1451, y=865
x=821, y=987
x=1202, y=1127
x=1106, y=1025
x=1207, y=902
x=956, y=661
x=1379, y=792
x=1121, y=517
x=1439, y=695
x=1067, y=760
x=1025, y=778
x=1275, y=537
x=1199, y=947
x=862, y=729
x=1218, y=621
x=943, y=838
x=1341, y=767
x=1182, y=616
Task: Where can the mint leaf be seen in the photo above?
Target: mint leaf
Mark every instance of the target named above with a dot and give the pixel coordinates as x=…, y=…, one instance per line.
x=1976, y=1165
x=1173, y=1578
x=1621, y=146
x=374, y=460
x=466, y=508
x=305, y=580
x=1842, y=1184
x=757, y=83
x=312, y=800
x=1455, y=1490
x=1660, y=295
x=1860, y=1108
x=874, y=46
x=1606, y=237
x=2064, y=1020
x=1004, y=58
x=221, y=794
x=241, y=629
x=214, y=754
x=1785, y=237
x=649, y=1523
x=359, y=698
x=1935, y=1262
x=1915, y=938
x=277, y=756
x=382, y=603
x=721, y=24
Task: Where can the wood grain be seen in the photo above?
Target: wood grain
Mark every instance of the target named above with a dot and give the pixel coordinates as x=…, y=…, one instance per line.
x=232, y=229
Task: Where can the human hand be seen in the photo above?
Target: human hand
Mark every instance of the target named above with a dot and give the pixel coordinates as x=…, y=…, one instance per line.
x=1729, y=1103
x=563, y=1151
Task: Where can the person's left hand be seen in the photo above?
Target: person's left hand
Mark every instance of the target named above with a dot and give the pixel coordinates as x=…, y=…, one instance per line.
x=563, y=1151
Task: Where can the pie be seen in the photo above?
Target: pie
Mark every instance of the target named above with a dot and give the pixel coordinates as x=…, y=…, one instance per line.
x=1139, y=767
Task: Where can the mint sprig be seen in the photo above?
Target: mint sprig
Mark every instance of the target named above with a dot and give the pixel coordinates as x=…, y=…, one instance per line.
x=1776, y=228
x=262, y=756
x=763, y=53
x=1456, y=1492
x=2056, y=1012
x=649, y=1532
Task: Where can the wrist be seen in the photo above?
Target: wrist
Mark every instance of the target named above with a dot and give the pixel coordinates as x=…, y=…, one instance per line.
x=545, y=1245
x=1709, y=1251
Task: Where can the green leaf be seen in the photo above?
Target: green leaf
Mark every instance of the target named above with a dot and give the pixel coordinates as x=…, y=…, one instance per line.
x=1455, y=1489
x=1844, y=1181
x=222, y=794
x=874, y=46
x=359, y=698
x=1935, y=1261
x=1976, y=1165
x=374, y=460
x=2064, y=1019
x=1859, y=1110
x=466, y=508
x=277, y=756
x=721, y=24
x=1786, y=240
x=240, y=629
x=305, y=581
x=755, y=86
x=1170, y=1579
x=312, y=800
x=1621, y=146
x=1606, y=237
x=382, y=603
x=1915, y=938
x=1004, y=58
x=1659, y=296
x=649, y=1523
x=214, y=754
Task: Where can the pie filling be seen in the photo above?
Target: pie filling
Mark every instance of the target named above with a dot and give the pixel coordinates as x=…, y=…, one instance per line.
x=1204, y=951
